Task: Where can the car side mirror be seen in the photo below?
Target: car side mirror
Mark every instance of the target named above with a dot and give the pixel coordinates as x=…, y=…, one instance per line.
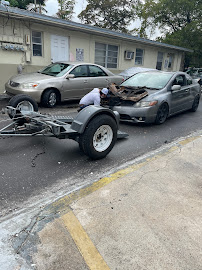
x=175, y=87
x=70, y=76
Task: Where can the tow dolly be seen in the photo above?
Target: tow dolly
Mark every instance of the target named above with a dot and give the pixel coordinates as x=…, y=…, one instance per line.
x=95, y=128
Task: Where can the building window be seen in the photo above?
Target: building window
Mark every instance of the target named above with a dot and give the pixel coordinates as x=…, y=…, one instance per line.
x=106, y=55
x=170, y=60
x=139, y=57
x=159, y=61
x=37, y=43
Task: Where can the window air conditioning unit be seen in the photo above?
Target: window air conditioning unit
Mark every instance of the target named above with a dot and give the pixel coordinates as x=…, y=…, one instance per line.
x=128, y=55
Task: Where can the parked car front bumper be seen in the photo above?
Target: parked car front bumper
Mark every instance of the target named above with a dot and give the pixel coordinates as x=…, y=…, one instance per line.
x=137, y=115
x=34, y=93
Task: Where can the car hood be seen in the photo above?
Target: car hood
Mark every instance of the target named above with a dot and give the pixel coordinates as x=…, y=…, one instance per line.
x=152, y=92
x=132, y=94
x=30, y=77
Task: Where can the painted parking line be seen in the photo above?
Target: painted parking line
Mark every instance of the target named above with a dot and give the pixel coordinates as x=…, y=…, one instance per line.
x=86, y=247
x=188, y=140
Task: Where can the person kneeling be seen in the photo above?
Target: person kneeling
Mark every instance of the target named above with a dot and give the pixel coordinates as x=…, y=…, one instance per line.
x=93, y=98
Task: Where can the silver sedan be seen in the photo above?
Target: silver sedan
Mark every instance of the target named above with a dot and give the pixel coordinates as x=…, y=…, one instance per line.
x=61, y=81
x=153, y=96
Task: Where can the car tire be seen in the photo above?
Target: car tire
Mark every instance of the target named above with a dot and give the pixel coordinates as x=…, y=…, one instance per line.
x=195, y=104
x=49, y=98
x=162, y=114
x=99, y=137
x=22, y=103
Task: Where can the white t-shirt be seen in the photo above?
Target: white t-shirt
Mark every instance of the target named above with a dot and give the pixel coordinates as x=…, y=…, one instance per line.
x=92, y=98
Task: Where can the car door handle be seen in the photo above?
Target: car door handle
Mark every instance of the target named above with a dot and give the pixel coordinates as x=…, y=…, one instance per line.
x=85, y=81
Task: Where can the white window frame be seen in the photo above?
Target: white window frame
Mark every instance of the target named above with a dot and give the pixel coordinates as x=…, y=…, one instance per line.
x=37, y=43
x=160, y=56
x=170, y=61
x=106, y=60
x=141, y=57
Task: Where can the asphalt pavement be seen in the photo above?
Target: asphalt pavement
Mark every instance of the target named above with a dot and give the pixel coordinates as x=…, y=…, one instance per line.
x=144, y=217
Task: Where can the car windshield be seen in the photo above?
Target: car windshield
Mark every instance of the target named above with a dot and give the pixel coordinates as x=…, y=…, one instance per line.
x=152, y=80
x=56, y=69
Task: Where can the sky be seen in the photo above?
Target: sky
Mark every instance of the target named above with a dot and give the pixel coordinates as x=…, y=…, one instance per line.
x=52, y=8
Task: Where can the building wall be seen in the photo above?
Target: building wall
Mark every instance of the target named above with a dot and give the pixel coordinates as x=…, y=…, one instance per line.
x=14, y=32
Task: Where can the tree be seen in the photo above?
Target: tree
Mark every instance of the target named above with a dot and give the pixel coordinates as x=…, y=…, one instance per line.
x=20, y=3
x=188, y=37
x=110, y=14
x=28, y=4
x=66, y=8
x=38, y=6
x=179, y=22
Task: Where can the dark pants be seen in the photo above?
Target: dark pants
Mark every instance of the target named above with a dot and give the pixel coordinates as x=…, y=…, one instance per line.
x=81, y=107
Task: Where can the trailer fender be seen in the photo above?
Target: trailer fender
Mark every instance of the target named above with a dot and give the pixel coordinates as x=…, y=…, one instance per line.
x=85, y=115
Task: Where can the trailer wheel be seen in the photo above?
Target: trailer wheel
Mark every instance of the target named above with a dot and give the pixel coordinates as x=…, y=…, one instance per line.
x=23, y=103
x=99, y=136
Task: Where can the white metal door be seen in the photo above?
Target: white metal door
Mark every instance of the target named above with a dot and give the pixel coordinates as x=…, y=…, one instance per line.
x=59, y=48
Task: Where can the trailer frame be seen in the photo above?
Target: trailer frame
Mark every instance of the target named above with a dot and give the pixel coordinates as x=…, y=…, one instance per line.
x=82, y=128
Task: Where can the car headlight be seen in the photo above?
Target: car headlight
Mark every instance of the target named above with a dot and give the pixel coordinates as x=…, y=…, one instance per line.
x=141, y=104
x=30, y=85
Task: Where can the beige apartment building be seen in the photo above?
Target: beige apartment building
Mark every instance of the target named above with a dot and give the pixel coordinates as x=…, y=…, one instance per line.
x=29, y=41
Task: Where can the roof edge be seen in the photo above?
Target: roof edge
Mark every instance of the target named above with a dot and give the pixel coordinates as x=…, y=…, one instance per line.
x=16, y=12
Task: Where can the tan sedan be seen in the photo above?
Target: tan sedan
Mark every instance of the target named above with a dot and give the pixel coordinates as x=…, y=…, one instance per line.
x=61, y=81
